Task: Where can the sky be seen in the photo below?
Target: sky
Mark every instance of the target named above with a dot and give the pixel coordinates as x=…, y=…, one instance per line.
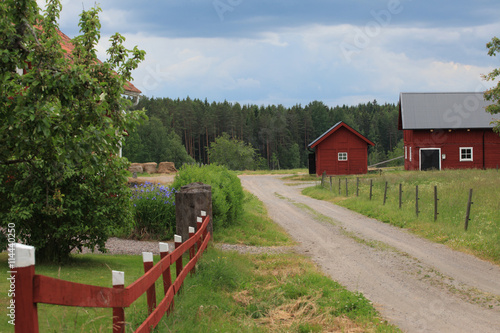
x=294, y=52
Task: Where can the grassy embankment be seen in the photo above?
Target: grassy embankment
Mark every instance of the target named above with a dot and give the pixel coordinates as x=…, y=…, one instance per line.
x=483, y=235
x=230, y=292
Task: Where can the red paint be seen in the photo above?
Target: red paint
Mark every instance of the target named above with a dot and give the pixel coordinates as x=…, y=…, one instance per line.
x=32, y=289
x=151, y=292
x=342, y=139
x=485, y=146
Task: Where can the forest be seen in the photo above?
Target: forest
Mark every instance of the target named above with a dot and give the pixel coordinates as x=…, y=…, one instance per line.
x=180, y=131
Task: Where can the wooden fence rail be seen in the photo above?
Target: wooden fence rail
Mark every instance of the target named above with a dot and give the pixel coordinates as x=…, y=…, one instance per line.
x=32, y=288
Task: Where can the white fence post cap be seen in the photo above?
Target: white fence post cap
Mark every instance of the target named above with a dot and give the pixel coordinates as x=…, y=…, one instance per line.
x=147, y=256
x=199, y=219
x=118, y=278
x=203, y=213
x=177, y=239
x=24, y=254
x=163, y=247
x=191, y=230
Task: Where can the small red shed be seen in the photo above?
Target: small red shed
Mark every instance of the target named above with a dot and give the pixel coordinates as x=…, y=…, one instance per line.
x=448, y=131
x=340, y=151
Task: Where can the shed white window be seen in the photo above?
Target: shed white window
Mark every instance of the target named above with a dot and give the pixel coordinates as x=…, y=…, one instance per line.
x=465, y=154
x=406, y=152
x=342, y=156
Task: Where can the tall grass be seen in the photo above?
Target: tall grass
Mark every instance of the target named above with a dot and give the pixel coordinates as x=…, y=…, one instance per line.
x=483, y=235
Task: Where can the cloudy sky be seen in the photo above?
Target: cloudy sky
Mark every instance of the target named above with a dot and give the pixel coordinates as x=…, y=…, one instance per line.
x=296, y=51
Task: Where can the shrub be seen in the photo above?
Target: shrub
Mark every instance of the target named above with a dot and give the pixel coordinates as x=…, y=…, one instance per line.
x=154, y=211
x=227, y=193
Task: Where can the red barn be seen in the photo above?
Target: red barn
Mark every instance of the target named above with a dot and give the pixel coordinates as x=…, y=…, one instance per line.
x=447, y=131
x=340, y=151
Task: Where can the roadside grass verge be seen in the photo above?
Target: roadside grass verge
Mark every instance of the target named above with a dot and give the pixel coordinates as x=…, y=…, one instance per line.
x=254, y=228
x=483, y=235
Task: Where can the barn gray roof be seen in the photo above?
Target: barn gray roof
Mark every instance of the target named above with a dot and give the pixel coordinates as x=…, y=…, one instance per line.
x=444, y=110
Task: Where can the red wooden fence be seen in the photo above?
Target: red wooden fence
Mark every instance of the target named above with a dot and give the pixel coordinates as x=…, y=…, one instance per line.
x=32, y=288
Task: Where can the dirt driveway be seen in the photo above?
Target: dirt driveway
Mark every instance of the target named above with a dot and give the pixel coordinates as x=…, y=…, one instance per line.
x=415, y=284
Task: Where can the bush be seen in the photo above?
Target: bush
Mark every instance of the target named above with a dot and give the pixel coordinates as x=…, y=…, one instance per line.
x=227, y=193
x=154, y=211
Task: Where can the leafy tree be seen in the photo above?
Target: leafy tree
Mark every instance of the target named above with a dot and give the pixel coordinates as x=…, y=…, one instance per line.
x=493, y=94
x=61, y=124
x=232, y=153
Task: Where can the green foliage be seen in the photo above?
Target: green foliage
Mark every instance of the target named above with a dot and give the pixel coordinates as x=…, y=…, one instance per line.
x=154, y=211
x=227, y=192
x=232, y=153
x=493, y=94
x=61, y=124
x=153, y=142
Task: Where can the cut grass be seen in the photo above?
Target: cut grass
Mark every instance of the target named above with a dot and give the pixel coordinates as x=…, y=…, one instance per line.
x=483, y=236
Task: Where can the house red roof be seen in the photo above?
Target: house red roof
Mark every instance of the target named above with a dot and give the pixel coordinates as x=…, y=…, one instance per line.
x=333, y=129
x=68, y=47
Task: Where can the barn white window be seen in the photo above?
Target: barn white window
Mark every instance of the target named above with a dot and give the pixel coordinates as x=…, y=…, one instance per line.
x=342, y=156
x=465, y=154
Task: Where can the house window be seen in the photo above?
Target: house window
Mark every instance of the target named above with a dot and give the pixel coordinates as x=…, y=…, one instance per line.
x=465, y=154
x=342, y=156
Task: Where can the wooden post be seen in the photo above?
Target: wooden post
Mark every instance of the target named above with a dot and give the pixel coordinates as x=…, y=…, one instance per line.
x=385, y=192
x=191, y=249
x=118, y=313
x=199, y=222
x=435, y=203
x=371, y=187
x=323, y=176
x=467, y=215
x=147, y=259
x=400, y=195
x=357, y=186
x=167, y=278
x=340, y=186
x=178, y=263
x=346, y=188
x=331, y=184
x=189, y=202
x=21, y=309
x=416, y=200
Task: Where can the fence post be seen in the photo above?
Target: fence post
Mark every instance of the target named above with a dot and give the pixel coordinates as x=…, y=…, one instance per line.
x=371, y=187
x=385, y=192
x=323, y=179
x=191, y=249
x=167, y=278
x=340, y=186
x=331, y=183
x=357, y=186
x=416, y=200
x=400, y=195
x=118, y=313
x=178, y=263
x=435, y=203
x=147, y=259
x=346, y=188
x=467, y=215
x=23, y=309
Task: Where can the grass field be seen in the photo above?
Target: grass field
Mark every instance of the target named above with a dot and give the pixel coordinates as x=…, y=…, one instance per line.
x=230, y=292
x=483, y=235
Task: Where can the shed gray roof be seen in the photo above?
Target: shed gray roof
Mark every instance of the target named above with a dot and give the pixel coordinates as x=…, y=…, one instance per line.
x=444, y=110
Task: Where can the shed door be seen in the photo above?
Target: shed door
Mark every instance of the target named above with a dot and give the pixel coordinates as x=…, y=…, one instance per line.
x=430, y=159
x=312, y=163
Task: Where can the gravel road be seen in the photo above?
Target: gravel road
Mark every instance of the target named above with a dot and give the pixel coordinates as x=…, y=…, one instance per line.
x=415, y=284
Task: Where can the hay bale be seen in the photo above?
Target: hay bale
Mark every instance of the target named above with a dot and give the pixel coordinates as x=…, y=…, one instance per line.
x=167, y=167
x=136, y=167
x=149, y=167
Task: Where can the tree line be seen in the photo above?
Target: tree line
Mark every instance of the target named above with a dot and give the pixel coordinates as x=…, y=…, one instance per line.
x=279, y=134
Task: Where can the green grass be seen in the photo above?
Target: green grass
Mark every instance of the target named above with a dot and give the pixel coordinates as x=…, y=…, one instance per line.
x=254, y=227
x=483, y=235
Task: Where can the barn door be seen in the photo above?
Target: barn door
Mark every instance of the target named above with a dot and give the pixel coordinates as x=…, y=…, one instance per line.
x=430, y=158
